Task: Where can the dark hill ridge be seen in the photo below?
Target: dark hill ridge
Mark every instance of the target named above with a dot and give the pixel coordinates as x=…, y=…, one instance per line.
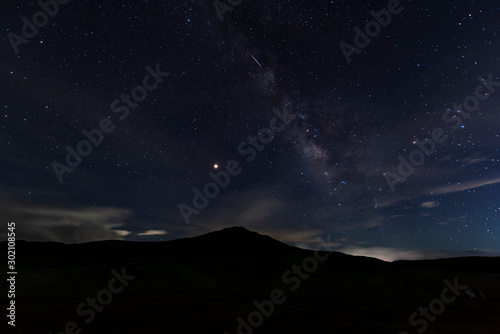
x=232, y=241
x=235, y=245
x=234, y=251
x=229, y=243
x=204, y=283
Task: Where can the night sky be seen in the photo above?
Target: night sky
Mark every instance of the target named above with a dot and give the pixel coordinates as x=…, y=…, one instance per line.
x=300, y=115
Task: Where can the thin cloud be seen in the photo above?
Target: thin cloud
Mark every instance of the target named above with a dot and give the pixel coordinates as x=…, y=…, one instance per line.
x=463, y=186
x=45, y=222
x=472, y=160
x=153, y=232
x=429, y=204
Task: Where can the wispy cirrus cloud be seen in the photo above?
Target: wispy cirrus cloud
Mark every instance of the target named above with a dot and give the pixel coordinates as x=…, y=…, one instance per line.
x=438, y=190
x=153, y=232
x=70, y=224
x=461, y=186
x=471, y=160
x=429, y=204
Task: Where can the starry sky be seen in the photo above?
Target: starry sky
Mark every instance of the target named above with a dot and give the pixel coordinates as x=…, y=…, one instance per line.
x=300, y=115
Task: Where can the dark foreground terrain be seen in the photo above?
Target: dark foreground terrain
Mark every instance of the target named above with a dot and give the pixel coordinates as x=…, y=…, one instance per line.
x=204, y=284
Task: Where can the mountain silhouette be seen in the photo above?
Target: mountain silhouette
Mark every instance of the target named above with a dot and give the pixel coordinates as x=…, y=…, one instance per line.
x=212, y=282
